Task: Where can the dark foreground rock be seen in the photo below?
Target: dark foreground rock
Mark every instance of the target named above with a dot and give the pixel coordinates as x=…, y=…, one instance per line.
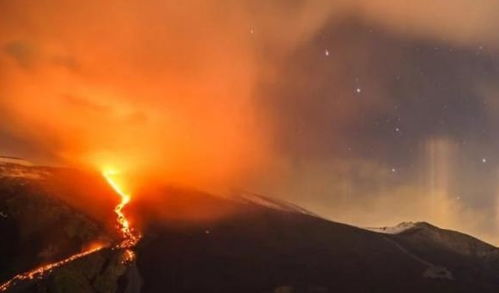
x=204, y=243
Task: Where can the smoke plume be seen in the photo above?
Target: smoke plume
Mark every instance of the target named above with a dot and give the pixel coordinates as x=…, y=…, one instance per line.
x=221, y=93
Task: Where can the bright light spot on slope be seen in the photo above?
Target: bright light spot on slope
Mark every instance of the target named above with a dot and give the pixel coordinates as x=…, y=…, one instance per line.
x=129, y=237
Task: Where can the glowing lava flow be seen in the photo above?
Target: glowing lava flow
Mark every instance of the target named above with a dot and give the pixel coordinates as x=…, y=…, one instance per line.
x=129, y=239
x=41, y=271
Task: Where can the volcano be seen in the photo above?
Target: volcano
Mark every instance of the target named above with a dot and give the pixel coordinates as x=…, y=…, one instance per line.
x=192, y=241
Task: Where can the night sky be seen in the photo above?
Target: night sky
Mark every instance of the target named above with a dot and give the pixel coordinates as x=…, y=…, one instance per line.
x=365, y=112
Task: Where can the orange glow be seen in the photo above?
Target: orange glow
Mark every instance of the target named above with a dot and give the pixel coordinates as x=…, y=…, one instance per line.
x=129, y=237
x=43, y=270
x=168, y=105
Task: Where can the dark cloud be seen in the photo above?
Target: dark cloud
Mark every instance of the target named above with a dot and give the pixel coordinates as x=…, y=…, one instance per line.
x=358, y=106
x=22, y=52
x=369, y=112
x=424, y=88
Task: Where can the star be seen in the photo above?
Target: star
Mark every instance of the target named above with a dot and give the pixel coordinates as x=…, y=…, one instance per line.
x=484, y=160
x=394, y=170
x=326, y=52
x=358, y=90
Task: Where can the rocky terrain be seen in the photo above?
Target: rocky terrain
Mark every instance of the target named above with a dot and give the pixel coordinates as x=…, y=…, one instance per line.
x=197, y=242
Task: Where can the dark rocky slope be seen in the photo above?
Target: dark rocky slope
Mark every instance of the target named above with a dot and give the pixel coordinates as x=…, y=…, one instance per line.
x=203, y=243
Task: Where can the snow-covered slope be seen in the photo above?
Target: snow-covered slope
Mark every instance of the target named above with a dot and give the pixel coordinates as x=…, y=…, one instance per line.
x=404, y=226
x=19, y=168
x=14, y=161
x=272, y=203
x=254, y=244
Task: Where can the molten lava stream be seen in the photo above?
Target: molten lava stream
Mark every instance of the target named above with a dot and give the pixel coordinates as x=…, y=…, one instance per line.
x=129, y=237
x=128, y=241
x=46, y=269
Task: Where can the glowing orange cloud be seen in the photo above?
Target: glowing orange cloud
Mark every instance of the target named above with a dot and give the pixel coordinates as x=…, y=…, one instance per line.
x=161, y=90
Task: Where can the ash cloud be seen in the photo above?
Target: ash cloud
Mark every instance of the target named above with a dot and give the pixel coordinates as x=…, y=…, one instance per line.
x=355, y=125
x=241, y=93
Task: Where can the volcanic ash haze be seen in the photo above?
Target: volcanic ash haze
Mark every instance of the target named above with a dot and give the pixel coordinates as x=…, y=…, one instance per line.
x=156, y=88
x=154, y=85
x=177, y=91
x=130, y=85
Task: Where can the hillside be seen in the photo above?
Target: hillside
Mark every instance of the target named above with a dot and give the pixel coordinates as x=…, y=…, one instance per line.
x=197, y=242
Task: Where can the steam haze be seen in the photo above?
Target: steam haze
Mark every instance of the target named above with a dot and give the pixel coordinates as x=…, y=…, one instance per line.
x=368, y=112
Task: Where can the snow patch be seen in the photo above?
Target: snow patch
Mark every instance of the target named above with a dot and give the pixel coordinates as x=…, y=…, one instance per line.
x=402, y=227
x=14, y=161
x=19, y=168
x=260, y=200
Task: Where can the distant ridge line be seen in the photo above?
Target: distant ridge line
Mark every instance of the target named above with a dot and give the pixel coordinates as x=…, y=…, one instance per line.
x=14, y=160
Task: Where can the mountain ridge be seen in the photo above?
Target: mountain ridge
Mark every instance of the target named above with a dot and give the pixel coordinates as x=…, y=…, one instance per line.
x=249, y=244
